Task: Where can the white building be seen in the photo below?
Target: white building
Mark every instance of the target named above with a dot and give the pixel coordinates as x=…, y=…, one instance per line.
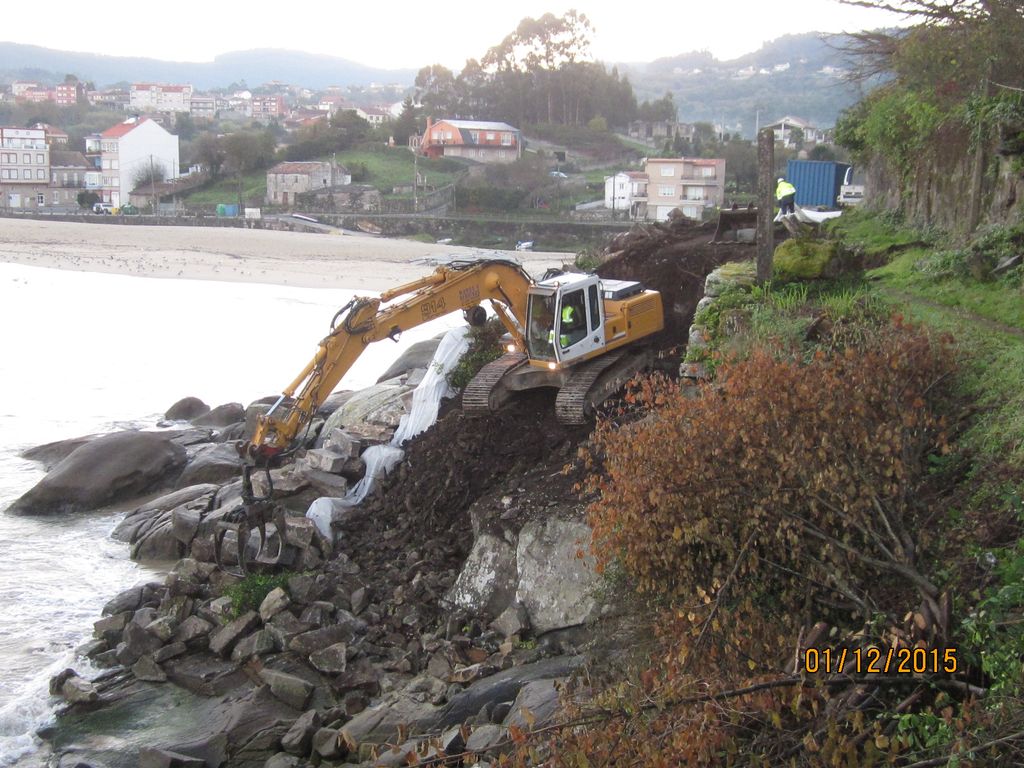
x=24, y=167
x=625, y=193
x=131, y=149
x=152, y=97
x=784, y=131
x=374, y=115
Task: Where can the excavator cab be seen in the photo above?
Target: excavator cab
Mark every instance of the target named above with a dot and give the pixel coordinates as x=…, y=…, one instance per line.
x=566, y=320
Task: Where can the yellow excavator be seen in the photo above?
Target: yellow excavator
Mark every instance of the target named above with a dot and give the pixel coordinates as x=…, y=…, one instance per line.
x=573, y=332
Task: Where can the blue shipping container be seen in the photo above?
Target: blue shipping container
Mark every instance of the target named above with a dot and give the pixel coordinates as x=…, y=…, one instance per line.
x=817, y=182
x=231, y=209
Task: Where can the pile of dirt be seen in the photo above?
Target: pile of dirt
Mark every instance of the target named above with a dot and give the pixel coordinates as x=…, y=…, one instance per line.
x=674, y=258
x=419, y=520
x=423, y=507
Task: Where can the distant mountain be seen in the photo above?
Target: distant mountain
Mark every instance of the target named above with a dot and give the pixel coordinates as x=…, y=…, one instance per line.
x=798, y=75
x=19, y=61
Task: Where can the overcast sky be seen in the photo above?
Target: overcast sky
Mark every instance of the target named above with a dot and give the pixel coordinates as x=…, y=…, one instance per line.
x=405, y=34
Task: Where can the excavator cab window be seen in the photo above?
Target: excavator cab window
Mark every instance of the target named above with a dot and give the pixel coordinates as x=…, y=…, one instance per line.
x=573, y=321
x=540, y=332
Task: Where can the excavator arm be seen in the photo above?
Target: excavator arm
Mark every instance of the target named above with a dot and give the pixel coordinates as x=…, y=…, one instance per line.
x=459, y=285
x=362, y=322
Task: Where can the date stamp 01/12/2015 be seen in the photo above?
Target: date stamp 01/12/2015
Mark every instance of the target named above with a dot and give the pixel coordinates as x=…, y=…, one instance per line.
x=878, y=661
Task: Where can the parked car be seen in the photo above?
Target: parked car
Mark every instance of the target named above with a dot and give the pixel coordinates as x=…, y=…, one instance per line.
x=129, y=210
x=106, y=208
x=558, y=175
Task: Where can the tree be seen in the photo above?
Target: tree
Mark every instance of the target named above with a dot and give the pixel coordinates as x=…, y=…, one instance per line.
x=470, y=89
x=184, y=126
x=247, y=151
x=537, y=55
x=436, y=91
x=796, y=136
x=87, y=200
x=407, y=123
x=822, y=152
x=148, y=173
x=209, y=151
x=661, y=109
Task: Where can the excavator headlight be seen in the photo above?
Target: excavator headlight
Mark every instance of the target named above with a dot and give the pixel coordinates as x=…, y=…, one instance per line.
x=510, y=348
x=552, y=366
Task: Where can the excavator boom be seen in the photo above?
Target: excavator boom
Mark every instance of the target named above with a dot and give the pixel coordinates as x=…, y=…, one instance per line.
x=572, y=326
x=459, y=285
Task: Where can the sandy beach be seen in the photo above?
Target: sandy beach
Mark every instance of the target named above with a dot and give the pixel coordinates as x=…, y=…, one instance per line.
x=236, y=255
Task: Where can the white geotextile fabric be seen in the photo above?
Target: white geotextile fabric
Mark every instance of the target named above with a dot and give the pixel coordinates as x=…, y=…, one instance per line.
x=381, y=459
x=810, y=217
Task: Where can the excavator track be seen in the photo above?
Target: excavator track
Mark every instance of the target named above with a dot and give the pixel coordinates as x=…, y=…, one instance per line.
x=479, y=396
x=572, y=401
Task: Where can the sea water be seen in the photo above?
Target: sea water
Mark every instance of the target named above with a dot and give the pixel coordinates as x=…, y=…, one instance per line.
x=84, y=353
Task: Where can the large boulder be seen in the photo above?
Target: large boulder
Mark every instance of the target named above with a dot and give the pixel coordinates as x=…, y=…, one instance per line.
x=487, y=583
x=221, y=416
x=211, y=464
x=557, y=578
x=382, y=405
x=108, y=469
x=186, y=409
x=419, y=355
x=51, y=454
x=153, y=529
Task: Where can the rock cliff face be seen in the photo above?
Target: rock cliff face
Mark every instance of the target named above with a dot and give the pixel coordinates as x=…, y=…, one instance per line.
x=939, y=190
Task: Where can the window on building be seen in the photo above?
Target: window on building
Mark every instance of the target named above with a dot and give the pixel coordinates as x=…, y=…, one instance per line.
x=666, y=190
x=506, y=139
x=40, y=199
x=475, y=136
x=668, y=170
x=708, y=172
x=694, y=193
x=26, y=159
x=26, y=174
x=490, y=136
x=39, y=159
x=56, y=198
x=41, y=174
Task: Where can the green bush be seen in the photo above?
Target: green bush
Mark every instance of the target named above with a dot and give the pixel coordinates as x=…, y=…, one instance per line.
x=484, y=346
x=247, y=594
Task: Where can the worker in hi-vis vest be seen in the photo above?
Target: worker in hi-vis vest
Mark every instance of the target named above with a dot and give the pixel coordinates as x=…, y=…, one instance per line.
x=785, y=193
x=569, y=321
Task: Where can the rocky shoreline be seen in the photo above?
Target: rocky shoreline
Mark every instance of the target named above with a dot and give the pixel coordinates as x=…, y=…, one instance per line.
x=450, y=627
x=438, y=618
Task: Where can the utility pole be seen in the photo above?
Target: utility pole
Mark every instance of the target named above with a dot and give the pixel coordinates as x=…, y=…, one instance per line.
x=415, y=177
x=152, y=185
x=765, y=205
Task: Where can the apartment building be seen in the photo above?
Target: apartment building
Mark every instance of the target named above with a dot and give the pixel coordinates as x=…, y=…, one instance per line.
x=267, y=108
x=203, y=106
x=68, y=94
x=129, y=150
x=24, y=167
x=70, y=175
x=154, y=97
x=689, y=184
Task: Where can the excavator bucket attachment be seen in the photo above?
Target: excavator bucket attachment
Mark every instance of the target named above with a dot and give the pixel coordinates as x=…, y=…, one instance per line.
x=255, y=512
x=240, y=522
x=731, y=221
